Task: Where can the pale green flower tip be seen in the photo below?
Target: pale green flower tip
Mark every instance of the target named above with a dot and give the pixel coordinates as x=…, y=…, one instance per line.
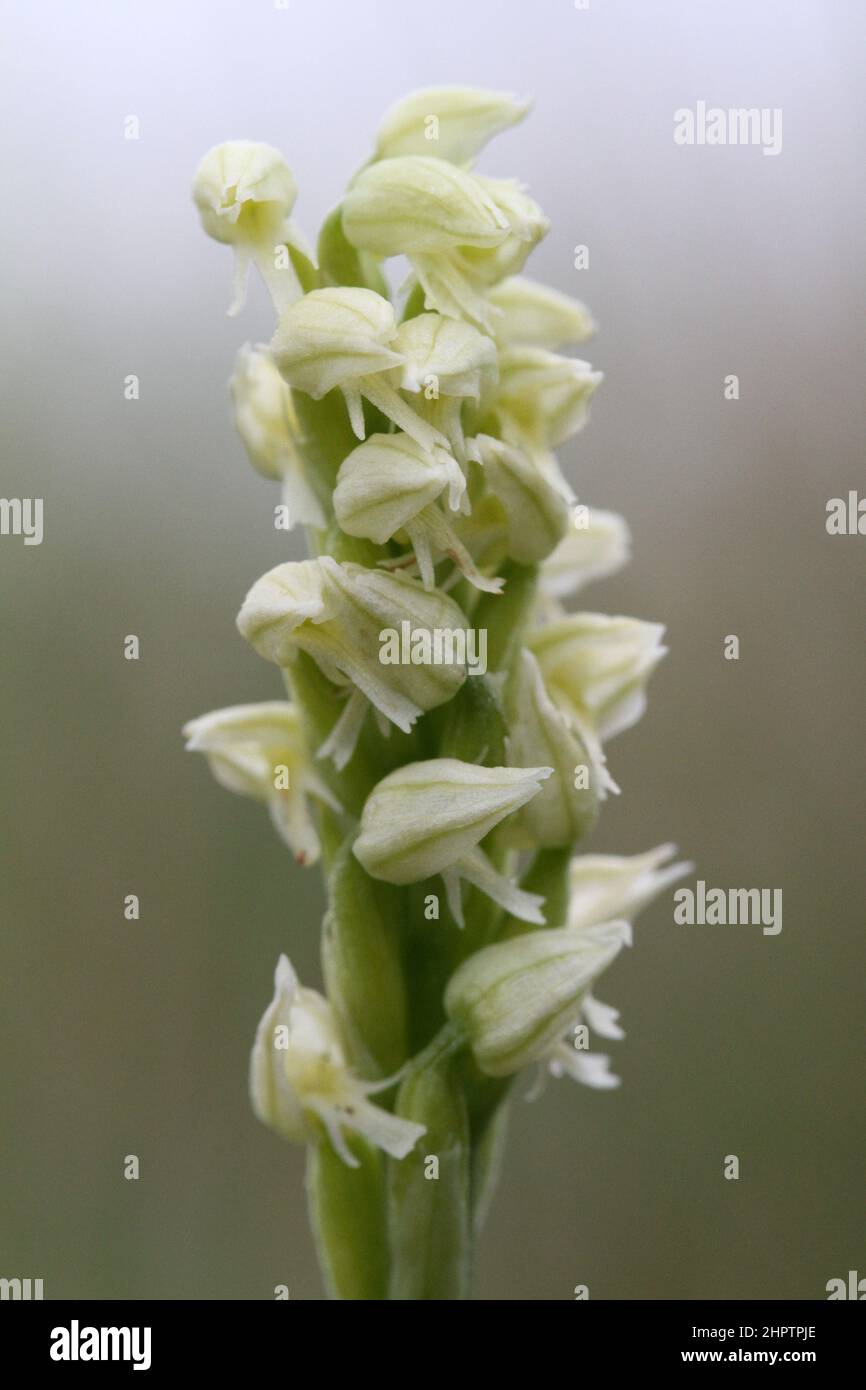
x=300, y=1083
x=244, y=192
x=421, y=204
x=517, y=999
x=426, y=817
x=385, y=482
x=597, y=667
x=595, y=550
x=605, y=885
x=334, y=336
x=544, y=396
x=533, y=315
x=453, y=123
x=452, y=357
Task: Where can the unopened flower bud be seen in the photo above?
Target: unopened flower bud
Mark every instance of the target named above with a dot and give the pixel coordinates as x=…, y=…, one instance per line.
x=532, y=315
x=429, y=818
x=518, y=999
x=452, y=123
x=300, y=1084
x=266, y=422
x=259, y=751
x=245, y=193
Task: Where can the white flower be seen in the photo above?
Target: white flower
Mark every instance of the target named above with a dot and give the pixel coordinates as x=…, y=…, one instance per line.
x=542, y=399
x=345, y=339
x=534, y=315
x=267, y=424
x=429, y=818
x=460, y=232
x=389, y=486
x=446, y=362
x=519, y=998
x=586, y=552
x=259, y=751
x=611, y=885
x=336, y=614
x=536, y=512
x=299, y=1079
x=245, y=193
x=596, y=669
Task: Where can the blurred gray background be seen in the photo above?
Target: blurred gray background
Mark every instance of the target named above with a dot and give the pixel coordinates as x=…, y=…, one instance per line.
x=123, y=1038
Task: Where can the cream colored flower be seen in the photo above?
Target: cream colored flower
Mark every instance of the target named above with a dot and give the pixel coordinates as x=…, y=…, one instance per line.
x=245, y=193
x=429, y=818
x=337, y=614
x=460, y=232
x=259, y=751
x=518, y=999
x=300, y=1082
x=533, y=315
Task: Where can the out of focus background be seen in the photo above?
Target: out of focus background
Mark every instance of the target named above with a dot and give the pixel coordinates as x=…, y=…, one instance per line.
x=123, y=1038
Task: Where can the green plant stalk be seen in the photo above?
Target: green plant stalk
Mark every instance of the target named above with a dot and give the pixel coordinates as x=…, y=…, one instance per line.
x=391, y=1229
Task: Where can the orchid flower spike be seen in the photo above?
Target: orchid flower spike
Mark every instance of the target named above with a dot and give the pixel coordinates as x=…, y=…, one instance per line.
x=301, y=1085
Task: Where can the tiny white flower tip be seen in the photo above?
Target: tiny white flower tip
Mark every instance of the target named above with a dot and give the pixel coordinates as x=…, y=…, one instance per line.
x=603, y=886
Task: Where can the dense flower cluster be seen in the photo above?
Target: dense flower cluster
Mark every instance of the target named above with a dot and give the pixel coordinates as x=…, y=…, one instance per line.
x=413, y=436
